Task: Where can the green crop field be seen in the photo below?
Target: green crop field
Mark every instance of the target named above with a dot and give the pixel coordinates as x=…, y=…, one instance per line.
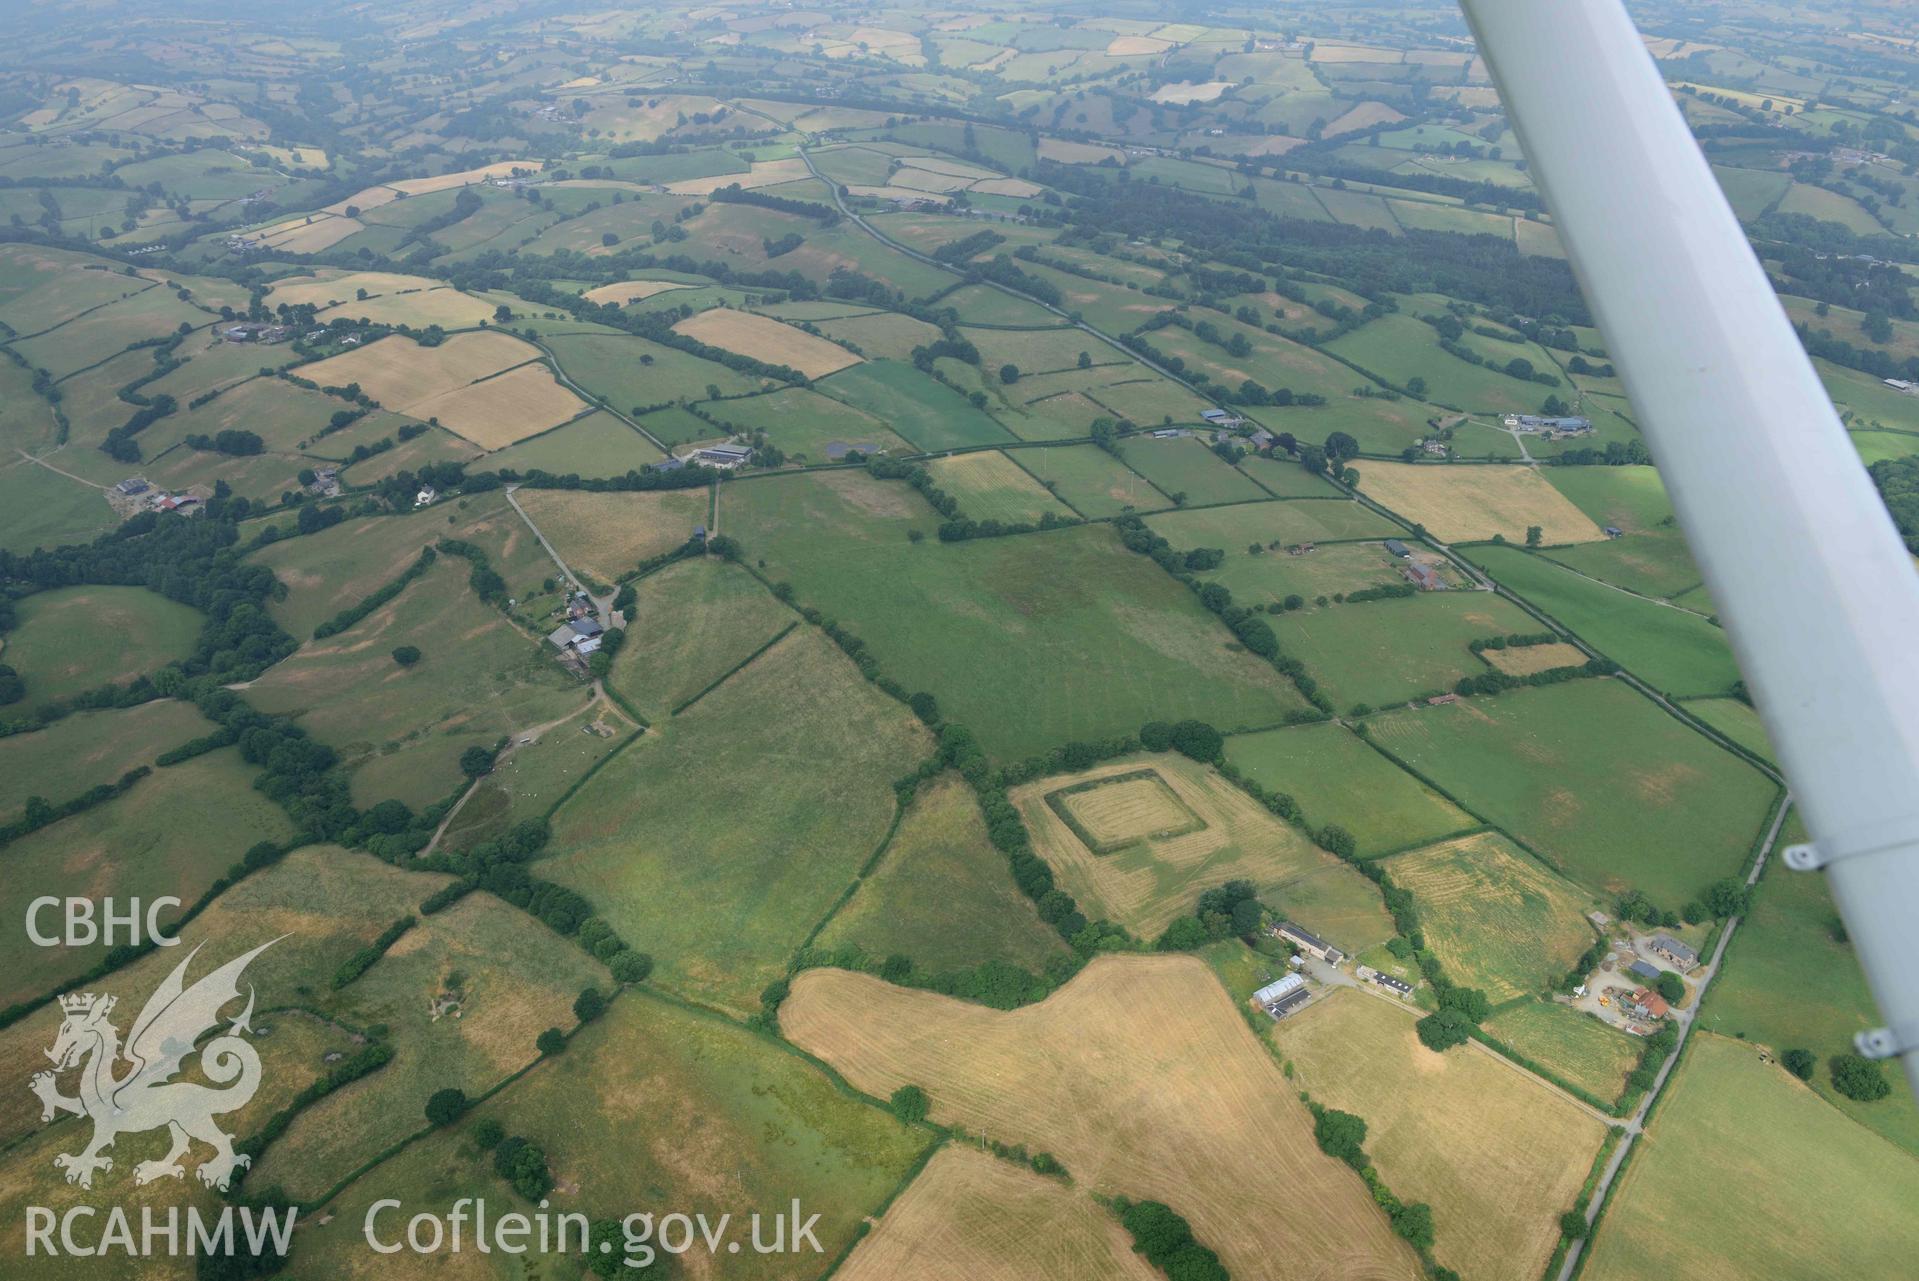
x=1578, y=1047
x=1336, y=778
x=1735, y=1152
x=75, y=639
x=86, y=748
x=924, y=412
x=692, y=624
x=1494, y=916
x=942, y=895
x=1385, y=652
x=1091, y=481
x=632, y=373
x=721, y=838
x=1792, y=982
x=1594, y=777
x=1672, y=650
x=1189, y=471
x=172, y=834
x=1033, y=642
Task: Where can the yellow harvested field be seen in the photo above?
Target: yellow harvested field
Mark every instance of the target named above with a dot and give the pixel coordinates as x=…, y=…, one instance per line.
x=1181, y=94
x=1134, y=46
x=1078, y=153
x=399, y=373
x=309, y=234
x=930, y=180
x=940, y=164
x=1325, y=52
x=1465, y=503
x=1364, y=116
x=466, y=177
x=367, y=198
x=1018, y=188
x=1146, y=884
x=442, y=306
x=1527, y=659
x=767, y=339
x=1141, y=1076
x=631, y=291
x=604, y=535
x=764, y=173
x=970, y=1216
x=1130, y=809
x=329, y=285
x=505, y=409
x=902, y=194
x=1497, y=1153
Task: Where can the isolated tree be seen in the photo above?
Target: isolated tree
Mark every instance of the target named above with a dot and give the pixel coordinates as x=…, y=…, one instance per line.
x=1800, y=1063
x=589, y=1004
x=476, y=761
x=1340, y=447
x=1009, y=373
x=406, y=655
x=1085, y=360
x=1415, y=1223
x=550, y=1042
x=444, y=1107
x=1341, y=1135
x=1443, y=1029
x=488, y=1134
x=631, y=967
x=1859, y=1079
x=1670, y=986
x=910, y=1104
x=12, y=688
x=1534, y=535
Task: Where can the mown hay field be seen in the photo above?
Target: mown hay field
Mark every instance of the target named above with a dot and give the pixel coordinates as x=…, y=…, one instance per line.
x=1385, y=652
x=1497, y=1154
x=1736, y=1152
x=1235, y=528
x=1150, y=878
x=1594, y=777
x=1461, y=503
x=970, y=1216
x=1576, y=1046
x=503, y=409
x=1337, y=779
x=604, y=535
x=766, y=339
x=627, y=291
x=711, y=841
x=1496, y=918
x=1524, y=660
x=1141, y=1076
x=399, y=373
x=72, y=639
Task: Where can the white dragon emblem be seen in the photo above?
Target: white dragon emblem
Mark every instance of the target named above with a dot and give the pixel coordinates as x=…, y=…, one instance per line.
x=173, y=1020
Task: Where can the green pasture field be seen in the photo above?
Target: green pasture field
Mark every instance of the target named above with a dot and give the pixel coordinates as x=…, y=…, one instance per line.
x=1597, y=780
x=110, y=330
x=1734, y=1153
x=1830, y=206
x=1791, y=982
x=1145, y=397
x=1577, y=1046
x=90, y=400
x=615, y=368
x=1657, y=564
x=41, y=288
x=596, y=445
x=1273, y=362
x=78, y=751
x=841, y=1157
x=676, y=426
x=1336, y=778
x=1113, y=308
x=172, y=834
x=1877, y=446
x=499, y=223
x=1736, y=720
x=1401, y=347
x=1672, y=650
x=1385, y=652
x=1283, y=476
x=942, y=894
x=1187, y=465
x=1236, y=527
x=807, y=426
x=516, y=979
x=605, y=535
x=285, y=416
x=1381, y=426
x=400, y=730
x=41, y=508
x=1061, y=636
x=989, y=485
x=985, y=305
x=1268, y=577
x=884, y=334
x=1494, y=916
x=1035, y=351
x=529, y=780
x=1751, y=191
x=216, y=364
x=26, y=419
x=72, y=639
x=742, y=788
x=1863, y=400
x=1631, y=498
x=1421, y=215
x=854, y=166
x=1090, y=480
x=692, y=624
x=924, y=412
x=829, y=249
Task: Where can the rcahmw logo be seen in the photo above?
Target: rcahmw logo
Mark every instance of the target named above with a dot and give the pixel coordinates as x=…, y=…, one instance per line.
x=127, y=1088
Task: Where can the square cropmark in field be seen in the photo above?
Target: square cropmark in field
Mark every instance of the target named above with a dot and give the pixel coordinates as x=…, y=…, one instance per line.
x=1108, y=814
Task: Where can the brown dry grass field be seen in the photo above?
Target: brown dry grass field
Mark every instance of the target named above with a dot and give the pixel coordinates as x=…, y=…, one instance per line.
x=1124, y=47
x=765, y=173
x=1077, y=153
x=631, y=291
x=1460, y=503
x=398, y=372
x=605, y=535
x=329, y=285
x=447, y=308
x=1497, y=1154
x=1527, y=659
x=767, y=339
x=464, y=178
x=1129, y=809
x=1141, y=1076
x=970, y=1216
x=500, y=411
x=1145, y=885
x=309, y=234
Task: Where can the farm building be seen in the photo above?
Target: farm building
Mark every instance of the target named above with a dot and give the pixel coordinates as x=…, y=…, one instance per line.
x=1644, y=1003
x=1644, y=969
x=668, y=464
x=1398, y=548
x=1263, y=439
x=1281, y=987
x=1557, y=426
x=723, y=455
x=131, y=485
x=1290, y=1002
x=1398, y=987
x=1308, y=943
x=1220, y=417
x=1424, y=577
x=425, y=497
x=562, y=636
x=1673, y=950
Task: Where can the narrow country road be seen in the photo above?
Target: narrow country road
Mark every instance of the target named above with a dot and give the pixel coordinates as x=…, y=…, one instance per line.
x=519, y=738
